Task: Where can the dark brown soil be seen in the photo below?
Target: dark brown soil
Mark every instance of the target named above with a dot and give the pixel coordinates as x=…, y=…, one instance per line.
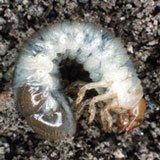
x=137, y=22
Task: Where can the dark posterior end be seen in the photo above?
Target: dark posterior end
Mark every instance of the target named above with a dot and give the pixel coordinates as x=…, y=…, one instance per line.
x=29, y=99
x=51, y=122
x=53, y=125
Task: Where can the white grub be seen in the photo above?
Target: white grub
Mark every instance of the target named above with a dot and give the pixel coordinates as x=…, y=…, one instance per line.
x=100, y=53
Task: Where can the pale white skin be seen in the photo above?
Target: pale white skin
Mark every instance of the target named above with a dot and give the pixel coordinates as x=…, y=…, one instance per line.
x=103, y=56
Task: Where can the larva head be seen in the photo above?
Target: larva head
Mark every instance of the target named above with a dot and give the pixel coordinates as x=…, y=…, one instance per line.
x=132, y=118
x=47, y=115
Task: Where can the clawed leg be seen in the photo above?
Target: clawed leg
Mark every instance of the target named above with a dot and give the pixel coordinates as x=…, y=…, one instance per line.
x=94, y=100
x=80, y=108
x=72, y=89
x=89, y=86
x=106, y=119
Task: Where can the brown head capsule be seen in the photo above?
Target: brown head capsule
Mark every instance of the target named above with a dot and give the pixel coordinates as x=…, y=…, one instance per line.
x=132, y=118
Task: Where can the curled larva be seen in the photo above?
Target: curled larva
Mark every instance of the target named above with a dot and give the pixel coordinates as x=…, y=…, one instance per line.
x=37, y=88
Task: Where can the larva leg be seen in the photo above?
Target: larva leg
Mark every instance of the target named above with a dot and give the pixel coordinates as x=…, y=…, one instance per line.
x=92, y=109
x=72, y=89
x=80, y=108
x=106, y=119
x=89, y=86
x=105, y=116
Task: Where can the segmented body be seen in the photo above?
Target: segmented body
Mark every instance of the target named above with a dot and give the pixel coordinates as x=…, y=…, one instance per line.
x=37, y=88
